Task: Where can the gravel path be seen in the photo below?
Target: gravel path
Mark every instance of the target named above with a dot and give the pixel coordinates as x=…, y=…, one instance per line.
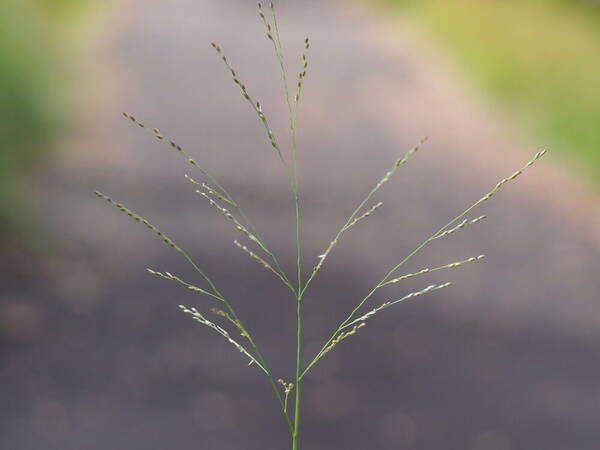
x=97, y=356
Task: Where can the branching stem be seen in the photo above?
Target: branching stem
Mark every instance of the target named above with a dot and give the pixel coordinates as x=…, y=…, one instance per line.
x=242, y=222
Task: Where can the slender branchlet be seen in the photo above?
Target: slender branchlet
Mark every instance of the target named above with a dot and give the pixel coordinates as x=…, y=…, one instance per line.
x=266, y=265
x=340, y=337
x=253, y=255
x=460, y=226
x=430, y=288
x=171, y=277
x=158, y=135
x=250, y=235
x=238, y=225
x=293, y=172
x=272, y=30
x=302, y=74
x=235, y=322
x=198, y=317
x=167, y=240
x=364, y=215
x=360, y=322
x=354, y=217
x=256, y=106
x=243, y=230
x=242, y=225
x=427, y=270
x=210, y=190
x=268, y=27
x=139, y=219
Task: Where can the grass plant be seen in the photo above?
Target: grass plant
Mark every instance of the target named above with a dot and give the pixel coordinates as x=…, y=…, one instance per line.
x=288, y=392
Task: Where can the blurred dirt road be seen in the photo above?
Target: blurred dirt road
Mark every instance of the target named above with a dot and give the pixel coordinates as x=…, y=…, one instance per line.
x=97, y=356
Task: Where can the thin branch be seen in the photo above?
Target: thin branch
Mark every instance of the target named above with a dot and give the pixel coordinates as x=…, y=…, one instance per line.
x=213, y=287
x=430, y=288
x=171, y=277
x=427, y=270
x=242, y=229
x=218, y=191
x=198, y=317
x=240, y=225
x=256, y=106
x=358, y=323
x=352, y=220
x=266, y=265
x=434, y=236
x=158, y=135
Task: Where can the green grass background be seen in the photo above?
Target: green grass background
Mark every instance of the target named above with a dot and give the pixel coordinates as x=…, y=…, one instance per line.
x=35, y=90
x=539, y=58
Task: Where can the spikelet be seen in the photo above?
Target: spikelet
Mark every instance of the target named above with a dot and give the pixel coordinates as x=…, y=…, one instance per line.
x=430, y=288
x=198, y=317
x=427, y=270
x=140, y=219
x=287, y=388
x=253, y=255
x=366, y=214
x=265, y=264
x=341, y=337
x=502, y=182
x=235, y=322
x=460, y=226
x=238, y=225
x=400, y=162
x=191, y=287
x=212, y=191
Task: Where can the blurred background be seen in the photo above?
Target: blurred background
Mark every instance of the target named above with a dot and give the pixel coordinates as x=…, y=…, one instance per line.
x=95, y=353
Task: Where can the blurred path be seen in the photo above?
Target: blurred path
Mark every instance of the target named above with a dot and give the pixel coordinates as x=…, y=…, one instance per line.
x=99, y=356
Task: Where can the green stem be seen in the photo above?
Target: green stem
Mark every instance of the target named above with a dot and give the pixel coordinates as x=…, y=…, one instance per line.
x=298, y=386
x=263, y=246
x=258, y=353
x=262, y=361
x=295, y=189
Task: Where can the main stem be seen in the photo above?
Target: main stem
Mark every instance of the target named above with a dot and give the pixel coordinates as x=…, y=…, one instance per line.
x=298, y=381
x=295, y=191
x=298, y=297
x=299, y=273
